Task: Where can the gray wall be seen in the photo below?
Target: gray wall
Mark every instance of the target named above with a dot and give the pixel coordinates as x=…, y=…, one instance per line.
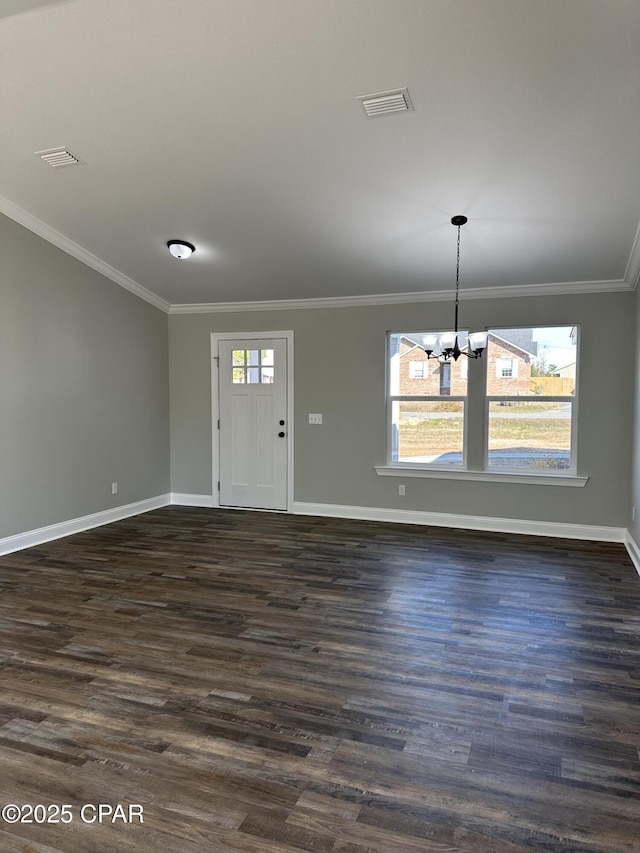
x=83, y=388
x=84, y=398
x=340, y=371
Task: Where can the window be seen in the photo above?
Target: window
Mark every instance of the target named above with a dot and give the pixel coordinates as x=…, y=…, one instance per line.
x=531, y=411
x=506, y=367
x=252, y=366
x=417, y=369
x=426, y=413
x=526, y=419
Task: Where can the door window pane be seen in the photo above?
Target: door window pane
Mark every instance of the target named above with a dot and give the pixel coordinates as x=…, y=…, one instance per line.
x=428, y=431
x=530, y=436
x=253, y=366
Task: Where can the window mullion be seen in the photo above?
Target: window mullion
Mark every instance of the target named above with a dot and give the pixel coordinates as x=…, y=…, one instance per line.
x=475, y=415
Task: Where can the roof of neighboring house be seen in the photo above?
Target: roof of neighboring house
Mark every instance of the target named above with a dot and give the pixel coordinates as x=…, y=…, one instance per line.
x=412, y=344
x=521, y=338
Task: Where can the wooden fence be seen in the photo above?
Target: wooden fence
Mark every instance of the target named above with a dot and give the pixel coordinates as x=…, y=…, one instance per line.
x=563, y=386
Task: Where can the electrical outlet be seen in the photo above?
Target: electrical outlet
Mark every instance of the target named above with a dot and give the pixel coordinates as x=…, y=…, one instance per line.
x=114, y=488
x=315, y=419
x=401, y=490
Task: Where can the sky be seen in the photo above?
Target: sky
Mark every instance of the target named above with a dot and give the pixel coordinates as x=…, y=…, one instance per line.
x=555, y=344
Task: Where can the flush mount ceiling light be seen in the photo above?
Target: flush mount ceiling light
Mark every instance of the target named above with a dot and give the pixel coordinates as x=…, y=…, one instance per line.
x=446, y=345
x=180, y=249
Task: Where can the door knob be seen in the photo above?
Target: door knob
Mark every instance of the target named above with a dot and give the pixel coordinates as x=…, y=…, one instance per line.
x=281, y=423
x=280, y=435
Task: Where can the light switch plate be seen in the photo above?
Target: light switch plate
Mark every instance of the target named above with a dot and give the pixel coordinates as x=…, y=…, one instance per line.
x=315, y=419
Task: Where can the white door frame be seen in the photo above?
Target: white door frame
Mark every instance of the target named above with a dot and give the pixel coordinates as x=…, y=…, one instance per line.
x=215, y=410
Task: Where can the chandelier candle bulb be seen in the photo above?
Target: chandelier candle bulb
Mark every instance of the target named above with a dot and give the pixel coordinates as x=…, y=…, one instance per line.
x=477, y=341
x=448, y=340
x=429, y=342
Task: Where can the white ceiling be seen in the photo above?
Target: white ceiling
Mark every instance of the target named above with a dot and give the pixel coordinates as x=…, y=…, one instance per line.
x=234, y=124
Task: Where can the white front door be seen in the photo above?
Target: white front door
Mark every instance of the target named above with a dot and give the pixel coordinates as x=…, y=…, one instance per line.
x=252, y=404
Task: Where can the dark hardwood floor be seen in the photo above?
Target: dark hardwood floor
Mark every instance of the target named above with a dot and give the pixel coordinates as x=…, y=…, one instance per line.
x=263, y=683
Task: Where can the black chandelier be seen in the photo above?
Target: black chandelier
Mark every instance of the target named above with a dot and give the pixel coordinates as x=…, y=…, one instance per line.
x=445, y=346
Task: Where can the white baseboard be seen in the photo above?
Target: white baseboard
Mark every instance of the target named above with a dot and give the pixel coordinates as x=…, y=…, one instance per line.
x=435, y=519
x=633, y=550
x=466, y=522
x=180, y=499
x=559, y=530
x=76, y=525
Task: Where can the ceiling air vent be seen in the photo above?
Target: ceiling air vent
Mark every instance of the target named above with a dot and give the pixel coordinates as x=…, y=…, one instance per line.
x=381, y=103
x=57, y=157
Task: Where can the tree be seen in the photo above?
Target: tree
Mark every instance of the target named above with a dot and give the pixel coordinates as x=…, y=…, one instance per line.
x=541, y=367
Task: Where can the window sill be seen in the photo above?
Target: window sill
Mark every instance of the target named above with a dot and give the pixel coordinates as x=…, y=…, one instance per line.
x=483, y=476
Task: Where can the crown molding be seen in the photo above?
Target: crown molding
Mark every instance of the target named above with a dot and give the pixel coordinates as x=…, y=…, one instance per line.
x=317, y=302
x=37, y=226
x=561, y=288
x=632, y=272
x=22, y=217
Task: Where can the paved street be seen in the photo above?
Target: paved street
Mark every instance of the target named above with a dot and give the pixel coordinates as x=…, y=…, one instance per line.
x=564, y=411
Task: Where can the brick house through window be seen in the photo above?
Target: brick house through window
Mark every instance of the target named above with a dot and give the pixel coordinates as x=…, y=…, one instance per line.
x=508, y=368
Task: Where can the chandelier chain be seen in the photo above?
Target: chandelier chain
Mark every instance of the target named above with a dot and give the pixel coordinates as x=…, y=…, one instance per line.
x=477, y=341
x=457, y=272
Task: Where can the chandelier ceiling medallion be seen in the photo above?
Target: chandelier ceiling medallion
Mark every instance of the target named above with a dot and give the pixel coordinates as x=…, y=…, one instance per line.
x=446, y=345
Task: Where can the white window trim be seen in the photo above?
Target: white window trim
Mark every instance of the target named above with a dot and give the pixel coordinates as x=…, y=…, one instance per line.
x=566, y=472
x=422, y=398
x=403, y=398
x=567, y=477
x=550, y=479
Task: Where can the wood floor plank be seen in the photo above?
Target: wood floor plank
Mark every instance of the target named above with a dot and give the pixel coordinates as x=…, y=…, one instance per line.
x=266, y=683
